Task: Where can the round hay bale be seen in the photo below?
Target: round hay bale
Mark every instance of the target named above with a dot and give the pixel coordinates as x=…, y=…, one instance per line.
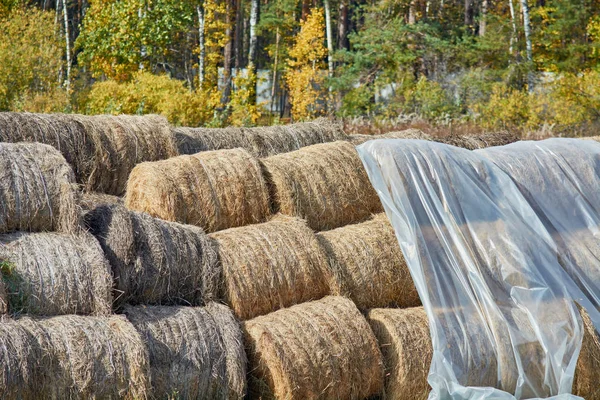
x=214, y=190
x=195, y=353
x=322, y=349
x=587, y=372
x=325, y=184
x=194, y=140
x=405, y=134
x=37, y=189
x=280, y=259
x=368, y=264
x=54, y=274
x=91, y=200
x=120, y=143
x=479, y=141
x=155, y=261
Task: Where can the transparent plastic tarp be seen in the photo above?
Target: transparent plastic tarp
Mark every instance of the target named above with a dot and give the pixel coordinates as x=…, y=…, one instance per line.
x=502, y=321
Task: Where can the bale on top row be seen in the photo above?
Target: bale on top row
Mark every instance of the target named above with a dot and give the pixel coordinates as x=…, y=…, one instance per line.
x=102, y=149
x=214, y=190
x=259, y=141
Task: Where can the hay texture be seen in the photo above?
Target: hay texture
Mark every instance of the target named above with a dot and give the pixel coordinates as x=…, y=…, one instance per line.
x=325, y=184
x=102, y=149
x=271, y=265
x=214, y=190
x=37, y=189
x=368, y=264
x=155, y=261
x=587, y=372
x=405, y=134
x=195, y=353
x=260, y=141
x=54, y=274
x=479, y=141
x=72, y=357
x=90, y=200
x=318, y=350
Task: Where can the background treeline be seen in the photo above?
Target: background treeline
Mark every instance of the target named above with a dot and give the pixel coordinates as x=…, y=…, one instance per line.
x=530, y=65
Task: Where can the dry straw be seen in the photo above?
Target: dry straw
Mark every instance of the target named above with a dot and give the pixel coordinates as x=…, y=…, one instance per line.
x=405, y=134
x=259, y=141
x=403, y=335
x=195, y=353
x=102, y=149
x=214, y=190
x=90, y=200
x=279, y=260
x=322, y=349
x=37, y=190
x=368, y=264
x=479, y=141
x=53, y=274
x=72, y=357
x=155, y=261
x=325, y=184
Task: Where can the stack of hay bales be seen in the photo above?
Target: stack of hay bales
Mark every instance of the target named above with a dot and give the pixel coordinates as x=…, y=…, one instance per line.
x=214, y=190
x=102, y=149
x=321, y=349
x=325, y=184
x=259, y=141
x=405, y=134
x=480, y=141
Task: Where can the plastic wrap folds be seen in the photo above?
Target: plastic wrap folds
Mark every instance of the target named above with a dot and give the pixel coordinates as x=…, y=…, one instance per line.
x=486, y=264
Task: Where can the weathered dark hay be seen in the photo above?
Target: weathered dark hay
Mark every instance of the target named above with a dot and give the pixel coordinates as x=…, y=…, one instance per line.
x=405, y=134
x=214, y=190
x=322, y=349
x=72, y=357
x=37, y=189
x=260, y=141
x=195, y=353
x=403, y=336
x=120, y=143
x=368, y=264
x=480, y=141
x=54, y=274
x=325, y=184
x=91, y=200
x=155, y=261
x=271, y=265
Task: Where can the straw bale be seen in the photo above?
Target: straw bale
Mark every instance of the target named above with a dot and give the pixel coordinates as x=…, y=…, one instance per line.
x=91, y=200
x=368, y=264
x=197, y=353
x=479, y=141
x=325, y=184
x=280, y=259
x=155, y=261
x=587, y=372
x=54, y=273
x=214, y=190
x=405, y=134
x=321, y=349
x=37, y=189
x=259, y=141
x=72, y=357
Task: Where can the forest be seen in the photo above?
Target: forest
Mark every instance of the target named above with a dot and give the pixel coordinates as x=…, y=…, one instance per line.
x=526, y=65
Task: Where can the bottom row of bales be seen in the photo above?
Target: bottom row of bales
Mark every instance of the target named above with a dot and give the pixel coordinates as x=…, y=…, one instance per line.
x=322, y=349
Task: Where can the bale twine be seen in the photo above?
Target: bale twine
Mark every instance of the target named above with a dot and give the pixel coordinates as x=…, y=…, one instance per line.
x=280, y=259
x=214, y=190
x=479, y=141
x=72, y=357
x=91, y=200
x=403, y=336
x=368, y=264
x=405, y=134
x=54, y=274
x=195, y=353
x=155, y=261
x=260, y=141
x=37, y=190
x=322, y=349
x=325, y=184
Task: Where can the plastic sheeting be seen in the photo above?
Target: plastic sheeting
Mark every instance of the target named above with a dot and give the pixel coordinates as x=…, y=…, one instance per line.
x=502, y=320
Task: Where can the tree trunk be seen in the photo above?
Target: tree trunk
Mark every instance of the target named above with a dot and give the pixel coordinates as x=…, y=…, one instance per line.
x=254, y=13
x=67, y=46
x=527, y=29
x=412, y=12
x=228, y=54
x=483, y=18
x=469, y=13
x=343, y=26
x=329, y=37
x=201, y=46
x=238, y=43
x=513, y=36
x=275, y=65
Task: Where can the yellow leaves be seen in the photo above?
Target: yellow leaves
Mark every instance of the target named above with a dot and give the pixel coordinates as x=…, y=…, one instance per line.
x=309, y=46
x=244, y=112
